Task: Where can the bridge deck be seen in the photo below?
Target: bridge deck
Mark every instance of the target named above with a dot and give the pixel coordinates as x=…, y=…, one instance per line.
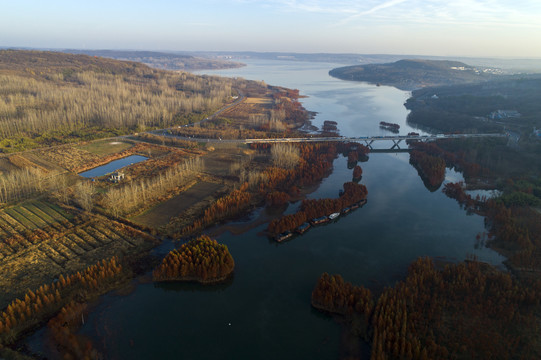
x=370, y=139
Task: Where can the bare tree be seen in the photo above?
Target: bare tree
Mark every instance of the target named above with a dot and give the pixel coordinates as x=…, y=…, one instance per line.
x=285, y=155
x=84, y=194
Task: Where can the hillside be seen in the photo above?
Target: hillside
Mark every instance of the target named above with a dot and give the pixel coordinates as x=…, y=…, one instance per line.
x=413, y=74
x=470, y=108
x=162, y=60
x=50, y=97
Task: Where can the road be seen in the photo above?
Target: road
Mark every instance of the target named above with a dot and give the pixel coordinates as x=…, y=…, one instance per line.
x=235, y=103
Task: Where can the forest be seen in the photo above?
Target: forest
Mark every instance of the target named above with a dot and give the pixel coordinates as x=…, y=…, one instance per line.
x=466, y=108
x=465, y=310
x=34, y=306
x=49, y=98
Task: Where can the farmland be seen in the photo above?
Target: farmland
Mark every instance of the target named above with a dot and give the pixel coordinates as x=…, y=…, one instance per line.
x=56, y=225
x=41, y=240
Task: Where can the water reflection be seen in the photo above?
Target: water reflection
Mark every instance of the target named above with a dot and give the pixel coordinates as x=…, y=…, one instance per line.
x=267, y=302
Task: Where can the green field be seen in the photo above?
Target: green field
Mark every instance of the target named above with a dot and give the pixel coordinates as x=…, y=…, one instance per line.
x=105, y=147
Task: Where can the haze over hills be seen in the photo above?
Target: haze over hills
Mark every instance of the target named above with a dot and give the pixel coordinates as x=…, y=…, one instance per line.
x=507, y=65
x=200, y=60
x=161, y=60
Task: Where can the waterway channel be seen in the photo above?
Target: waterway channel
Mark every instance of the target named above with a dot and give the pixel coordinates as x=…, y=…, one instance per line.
x=264, y=311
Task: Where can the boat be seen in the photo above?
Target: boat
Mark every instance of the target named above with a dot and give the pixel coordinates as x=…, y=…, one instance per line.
x=334, y=216
x=303, y=228
x=362, y=202
x=346, y=210
x=319, y=220
x=284, y=236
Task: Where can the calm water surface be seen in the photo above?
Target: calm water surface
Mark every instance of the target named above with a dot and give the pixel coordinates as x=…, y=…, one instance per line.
x=264, y=312
x=113, y=166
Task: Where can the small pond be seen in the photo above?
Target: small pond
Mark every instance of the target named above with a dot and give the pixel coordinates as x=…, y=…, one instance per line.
x=113, y=166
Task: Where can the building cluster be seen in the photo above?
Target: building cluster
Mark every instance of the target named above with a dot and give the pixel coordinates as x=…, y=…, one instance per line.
x=503, y=114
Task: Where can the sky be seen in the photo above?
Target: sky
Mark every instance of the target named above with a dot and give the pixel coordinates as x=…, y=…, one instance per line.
x=480, y=28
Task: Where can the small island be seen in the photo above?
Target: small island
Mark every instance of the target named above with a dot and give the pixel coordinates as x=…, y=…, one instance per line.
x=431, y=169
x=389, y=126
x=202, y=260
x=357, y=173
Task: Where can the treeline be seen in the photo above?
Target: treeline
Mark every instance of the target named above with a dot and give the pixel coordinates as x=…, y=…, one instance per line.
x=353, y=193
x=286, y=101
x=225, y=132
x=468, y=310
x=522, y=192
x=47, y=106
x=63, y=331
x=24, y=183
x=201, y=259
x=430, y=168
x=452, y=160
x=314, y=208
x=225, y=207
x=456, y=191
x=517, y=232
x=42, y=303
x=333, y=294
x=357, y=172
x=138, y=194
x=167, y=140
x=314, y=163
x=276, y=198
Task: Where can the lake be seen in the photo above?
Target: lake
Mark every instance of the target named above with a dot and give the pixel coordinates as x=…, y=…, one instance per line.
x=264, y=311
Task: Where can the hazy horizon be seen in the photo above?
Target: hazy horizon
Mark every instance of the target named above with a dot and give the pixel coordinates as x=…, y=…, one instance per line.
x=465, y=28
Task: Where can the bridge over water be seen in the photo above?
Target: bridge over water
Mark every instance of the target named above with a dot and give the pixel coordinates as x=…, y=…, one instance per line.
x=369, y=140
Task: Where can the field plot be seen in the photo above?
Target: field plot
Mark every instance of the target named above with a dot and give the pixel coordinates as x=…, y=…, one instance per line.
x=105, y=147
x=70, y=157
x=39, y=241
x=250, y=106
x=26, y=161
x=162, y=213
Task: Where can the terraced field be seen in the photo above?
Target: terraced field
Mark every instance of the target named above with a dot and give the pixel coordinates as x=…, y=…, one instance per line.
x=39, y=241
